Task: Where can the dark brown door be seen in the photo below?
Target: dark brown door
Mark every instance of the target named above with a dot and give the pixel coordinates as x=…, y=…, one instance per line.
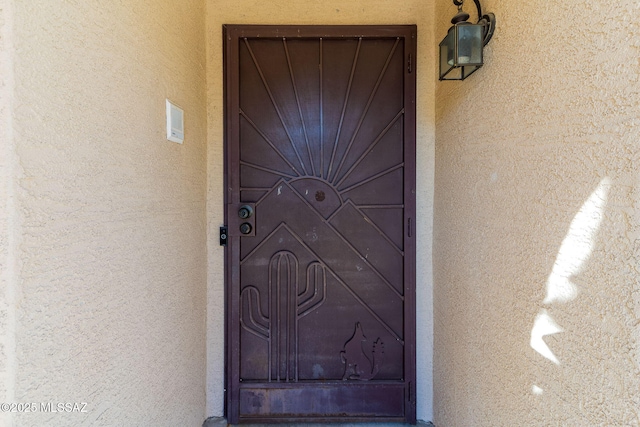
x=320, y=140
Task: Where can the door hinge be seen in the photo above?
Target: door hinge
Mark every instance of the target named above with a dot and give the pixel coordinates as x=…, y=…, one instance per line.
x=410, y=64
x=224, y=236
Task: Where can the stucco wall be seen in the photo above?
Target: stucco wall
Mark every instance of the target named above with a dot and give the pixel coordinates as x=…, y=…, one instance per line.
x=536, y=282
x=5, y=172
x=306, y=12
x=108, y=222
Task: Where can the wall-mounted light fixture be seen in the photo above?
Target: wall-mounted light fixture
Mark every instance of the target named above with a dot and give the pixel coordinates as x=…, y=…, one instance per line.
x=461, y=49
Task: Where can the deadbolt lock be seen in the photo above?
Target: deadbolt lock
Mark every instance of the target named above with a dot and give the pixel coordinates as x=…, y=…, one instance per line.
x=246, y=228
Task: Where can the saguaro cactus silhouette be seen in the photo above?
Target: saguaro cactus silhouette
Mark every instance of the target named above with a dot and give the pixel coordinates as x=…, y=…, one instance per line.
x=286, y=304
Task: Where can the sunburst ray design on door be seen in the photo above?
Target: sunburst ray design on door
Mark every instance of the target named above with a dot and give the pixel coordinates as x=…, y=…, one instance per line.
x=325, y=121
x=320, y=143
x=321, y=125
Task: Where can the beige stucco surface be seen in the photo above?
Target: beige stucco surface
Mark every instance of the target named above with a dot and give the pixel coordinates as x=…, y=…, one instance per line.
x=330, y=12
x=536, y=237
x=103, y=245
x=5, y=172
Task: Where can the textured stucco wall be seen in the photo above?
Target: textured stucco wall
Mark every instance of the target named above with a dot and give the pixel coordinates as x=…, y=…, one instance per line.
x=307, y=12
x=6, y=336
x=108, y=219
x=536, y=238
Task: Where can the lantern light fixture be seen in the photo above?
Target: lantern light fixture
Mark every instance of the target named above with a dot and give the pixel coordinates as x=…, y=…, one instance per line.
x=461, y=49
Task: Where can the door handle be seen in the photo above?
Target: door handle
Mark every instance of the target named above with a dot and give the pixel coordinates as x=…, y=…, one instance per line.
x=245, y=212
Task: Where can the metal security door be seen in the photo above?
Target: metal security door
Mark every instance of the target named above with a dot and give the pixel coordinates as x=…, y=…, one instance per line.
x=320, y=140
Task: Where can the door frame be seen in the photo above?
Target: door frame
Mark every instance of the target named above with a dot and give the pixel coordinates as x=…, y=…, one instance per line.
x=232, y=34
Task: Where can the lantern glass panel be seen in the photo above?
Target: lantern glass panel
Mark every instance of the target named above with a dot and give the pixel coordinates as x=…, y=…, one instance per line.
x=469, y=46
x=447, y=54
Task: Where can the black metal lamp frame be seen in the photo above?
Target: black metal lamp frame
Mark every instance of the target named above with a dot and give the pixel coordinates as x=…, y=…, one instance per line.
x=488, y=23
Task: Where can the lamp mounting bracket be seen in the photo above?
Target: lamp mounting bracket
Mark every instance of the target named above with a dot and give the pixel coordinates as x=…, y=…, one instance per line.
x=487, y=20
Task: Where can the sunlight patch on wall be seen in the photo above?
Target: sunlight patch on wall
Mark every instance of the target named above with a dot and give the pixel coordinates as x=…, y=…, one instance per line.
x=575, y=250
x=544, y=325
x=577, y=246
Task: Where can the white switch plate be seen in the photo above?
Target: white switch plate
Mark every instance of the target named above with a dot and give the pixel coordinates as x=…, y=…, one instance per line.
x=175, y=123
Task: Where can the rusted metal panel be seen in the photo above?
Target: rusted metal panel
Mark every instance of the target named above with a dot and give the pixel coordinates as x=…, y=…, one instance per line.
x=322, y=401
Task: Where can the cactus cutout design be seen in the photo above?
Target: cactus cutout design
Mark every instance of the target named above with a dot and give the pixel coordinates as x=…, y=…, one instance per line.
x=286, y=304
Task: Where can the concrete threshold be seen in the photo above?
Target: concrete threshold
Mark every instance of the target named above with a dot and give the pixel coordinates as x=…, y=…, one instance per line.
x=222, y=422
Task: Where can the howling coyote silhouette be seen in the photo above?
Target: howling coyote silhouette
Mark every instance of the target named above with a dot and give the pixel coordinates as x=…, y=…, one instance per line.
x=357, y=365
